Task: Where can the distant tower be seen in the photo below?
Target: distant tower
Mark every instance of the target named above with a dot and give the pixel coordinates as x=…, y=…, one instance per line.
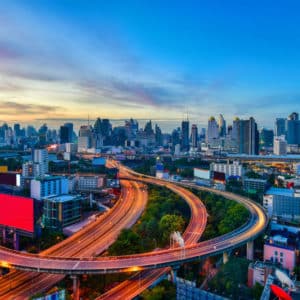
x=194, y=136
x=185, y=143
x=222, y=126
x=212, y=130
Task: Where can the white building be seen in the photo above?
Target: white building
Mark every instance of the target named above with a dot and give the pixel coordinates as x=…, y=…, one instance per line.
x=86, y=182
x=280, y=145
x=27, y=169
x=234, y=169
x=48, y=186
x=41, y=162
x=284, y=203
x=212, y=130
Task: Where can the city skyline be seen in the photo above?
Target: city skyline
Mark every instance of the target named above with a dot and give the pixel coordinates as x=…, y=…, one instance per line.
x=150, y=61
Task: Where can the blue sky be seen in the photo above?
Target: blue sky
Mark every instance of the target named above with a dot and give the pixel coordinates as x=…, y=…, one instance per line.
x=149, y=59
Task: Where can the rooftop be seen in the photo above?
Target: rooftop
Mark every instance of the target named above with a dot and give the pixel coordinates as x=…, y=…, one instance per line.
x=62, y=198
x=280, y=192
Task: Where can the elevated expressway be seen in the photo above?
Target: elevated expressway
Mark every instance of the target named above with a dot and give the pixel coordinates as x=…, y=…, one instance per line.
x=158, y=259
x=90, y=241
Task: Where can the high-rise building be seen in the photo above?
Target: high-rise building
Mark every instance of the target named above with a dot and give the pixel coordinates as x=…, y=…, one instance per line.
x=158, y=135
x=293, y=129
x=185, y=136
x=280, y=145
x=247, y=136
x=266, y=138
x=212, y=130
x=222, y=126
x=85, y=138
x=40, y=162
x=194, y=136
x=280, y=127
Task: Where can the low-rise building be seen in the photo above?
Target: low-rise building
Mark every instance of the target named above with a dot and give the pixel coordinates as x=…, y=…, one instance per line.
x=61, y=211
x=253, y=185
x=282, y=246
x=283, y=203
x=234, y=169
x=89, y=182
x=48, y=186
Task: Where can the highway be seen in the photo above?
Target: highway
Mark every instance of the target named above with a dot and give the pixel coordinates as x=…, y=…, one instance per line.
x=158, y=259
x=170, y=257
x=90, y=241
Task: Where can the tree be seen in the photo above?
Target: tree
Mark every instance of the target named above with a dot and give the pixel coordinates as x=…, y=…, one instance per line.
x=169, y=224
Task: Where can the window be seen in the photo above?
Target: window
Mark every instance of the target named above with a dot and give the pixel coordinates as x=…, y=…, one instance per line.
x=276, y=253
x=281, y=254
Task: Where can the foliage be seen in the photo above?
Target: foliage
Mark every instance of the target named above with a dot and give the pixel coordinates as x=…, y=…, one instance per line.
x=231, y=279
x=169, y=224
x=165, y=290
x=224, y=215
x=165, y=212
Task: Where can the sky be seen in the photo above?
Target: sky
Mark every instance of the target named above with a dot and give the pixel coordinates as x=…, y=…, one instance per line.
x=153, y=59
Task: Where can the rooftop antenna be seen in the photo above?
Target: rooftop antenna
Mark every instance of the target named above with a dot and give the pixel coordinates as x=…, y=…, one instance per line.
x=88, y=119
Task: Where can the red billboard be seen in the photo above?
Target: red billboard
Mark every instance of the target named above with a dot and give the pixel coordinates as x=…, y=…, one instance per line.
x=17, y=212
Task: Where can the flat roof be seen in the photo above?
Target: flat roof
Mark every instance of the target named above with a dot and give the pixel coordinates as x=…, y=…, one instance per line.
x=62, y=198
x=280, y=192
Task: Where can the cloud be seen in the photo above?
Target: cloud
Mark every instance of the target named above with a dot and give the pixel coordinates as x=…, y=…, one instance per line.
x=16, y=108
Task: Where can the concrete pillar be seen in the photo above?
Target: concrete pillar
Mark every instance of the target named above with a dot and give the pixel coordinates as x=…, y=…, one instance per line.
x=16, y=241
x=4, y=236
x=76, y=284
x=174, y=275
x=225, y=257
x=91, y=199
x=250, y=250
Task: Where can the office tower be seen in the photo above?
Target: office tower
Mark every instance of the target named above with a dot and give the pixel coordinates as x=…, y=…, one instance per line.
x=185, y=142
x=280, y=127
x=17, y=130
x=175, y=138
x=194, y=136
x=70, y=131
x=65, y=133
x=247, y=136
x=222, y=126
x=40, y=162
x=212, y=130
x=85, y=138
x=158, y=135
x=266, y=138
x=293, y=129
x=148, y=128
x=280, y=145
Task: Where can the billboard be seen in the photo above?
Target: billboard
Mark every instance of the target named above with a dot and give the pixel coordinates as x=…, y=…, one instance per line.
x=218, y=176
x=10, y=179
x=201, y=173
x=17, y=212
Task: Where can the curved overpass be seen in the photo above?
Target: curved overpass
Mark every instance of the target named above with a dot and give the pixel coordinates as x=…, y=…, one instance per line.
x=92, y=239
x=170, y=257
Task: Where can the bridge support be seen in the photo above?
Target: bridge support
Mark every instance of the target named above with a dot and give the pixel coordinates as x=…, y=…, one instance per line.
x=250, y=250
x=225, y=257
x=16, y=241
x=174, y=274
x=91, y=199
x=76, y=284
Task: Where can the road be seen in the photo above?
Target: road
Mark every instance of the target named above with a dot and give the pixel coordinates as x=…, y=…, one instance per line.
x=255, y=226
x=90, y=241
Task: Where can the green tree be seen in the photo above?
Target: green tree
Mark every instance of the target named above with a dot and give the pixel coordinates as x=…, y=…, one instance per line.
x=169, y=224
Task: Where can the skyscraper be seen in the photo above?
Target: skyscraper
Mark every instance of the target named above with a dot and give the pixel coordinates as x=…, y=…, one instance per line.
x=194, y=136
x=222, y=126
x=280, y=126
x=293, y=129
x=212, y=130
x=185, y=143
x=247, y=136
x=66, y=133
